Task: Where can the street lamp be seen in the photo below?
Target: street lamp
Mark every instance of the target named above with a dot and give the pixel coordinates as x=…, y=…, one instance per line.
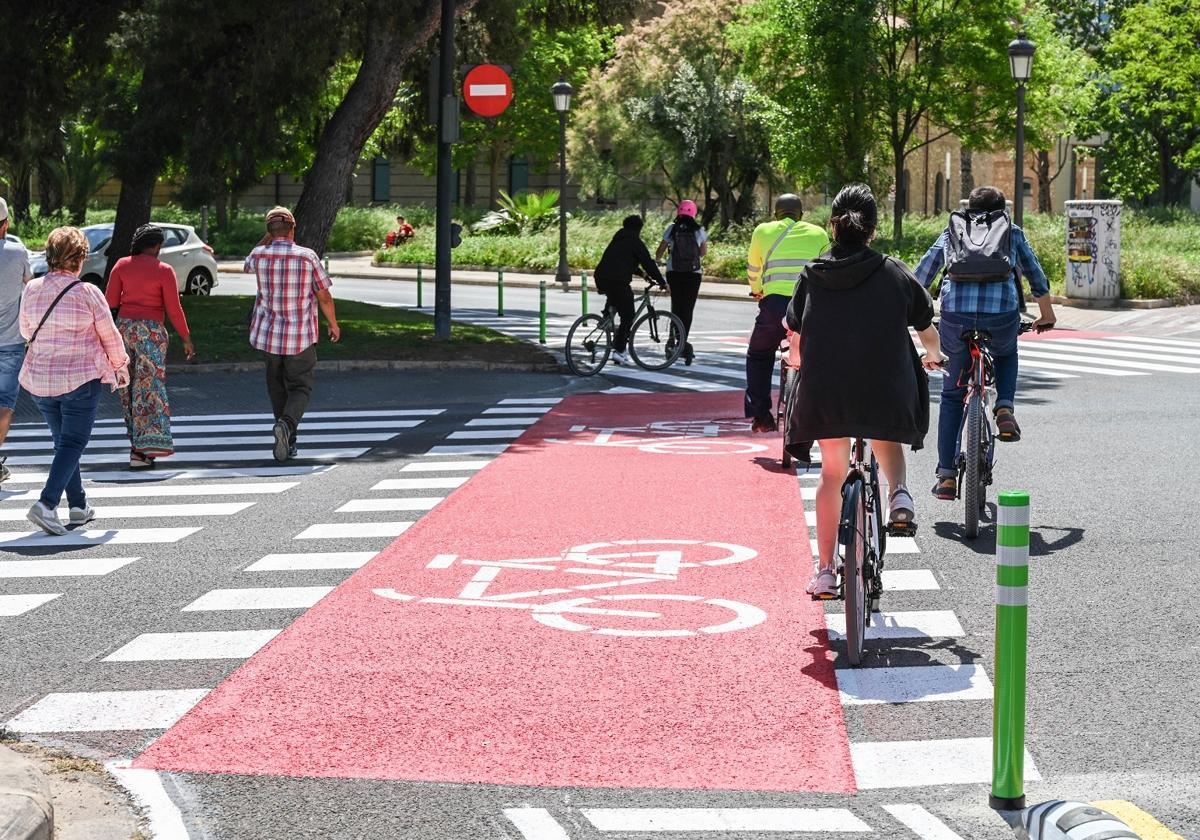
x=562, y=91
x=1020, y=60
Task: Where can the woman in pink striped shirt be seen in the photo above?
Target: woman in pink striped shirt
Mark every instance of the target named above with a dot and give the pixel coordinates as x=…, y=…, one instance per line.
x=73, y=347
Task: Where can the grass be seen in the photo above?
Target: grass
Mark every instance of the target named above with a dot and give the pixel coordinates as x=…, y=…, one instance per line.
x=1160, y=249
x=219, y=330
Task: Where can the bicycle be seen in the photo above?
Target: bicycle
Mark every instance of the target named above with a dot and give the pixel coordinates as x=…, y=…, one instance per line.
x=781, y=415
x=655, y=340
x=862, y=544
x=979, y=426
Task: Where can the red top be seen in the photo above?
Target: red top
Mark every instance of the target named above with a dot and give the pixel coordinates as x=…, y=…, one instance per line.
x=143, y=288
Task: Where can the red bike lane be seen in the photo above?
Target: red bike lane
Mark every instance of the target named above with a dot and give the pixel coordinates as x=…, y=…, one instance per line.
x=597, y=607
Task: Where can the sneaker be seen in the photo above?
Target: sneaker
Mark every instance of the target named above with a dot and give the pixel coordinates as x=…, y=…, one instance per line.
x=83, y=515
x=283, y=443
x=823, y=586
x=293, y=452
x=4, y=473
x=901, y=510
x=46, y=519
x=619, y=358
x=1006, y=425
x=946, y=488
x=765, y=423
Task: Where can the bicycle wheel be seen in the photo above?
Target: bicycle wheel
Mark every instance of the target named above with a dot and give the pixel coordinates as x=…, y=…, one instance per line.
x=589, y=343
x=879, y=544
x=781, y=412
x=852, y=535
x=656, y=340
x=972, y=476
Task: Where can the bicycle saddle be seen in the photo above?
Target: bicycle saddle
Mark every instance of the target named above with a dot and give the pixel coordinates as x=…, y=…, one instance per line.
x=976, y=335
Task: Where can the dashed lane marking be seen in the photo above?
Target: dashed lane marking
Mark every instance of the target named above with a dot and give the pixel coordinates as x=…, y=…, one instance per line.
x=259, y=598
x=119, y=536
x=63, y=567
x=920, y=624
x=444, y=466
x=435, y=483
x=924, y=824
x=799, y=820
x=353, y=530
x=536, y=824
x=105, y=711
x=180, y=511
x=212, y=644
x=416, y=503
x=14, y=605
x=161, y=489
x=913, y=684
x=903, y=764
x=311, y=560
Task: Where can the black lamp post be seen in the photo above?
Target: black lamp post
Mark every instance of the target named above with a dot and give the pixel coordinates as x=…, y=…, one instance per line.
x=1020, y=60
x=562, y=91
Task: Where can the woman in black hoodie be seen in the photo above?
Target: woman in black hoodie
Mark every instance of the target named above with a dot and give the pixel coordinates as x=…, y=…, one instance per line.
x=860, y=375
x=625, y=254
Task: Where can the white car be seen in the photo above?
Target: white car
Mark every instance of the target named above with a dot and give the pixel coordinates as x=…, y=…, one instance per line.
x=194, y=263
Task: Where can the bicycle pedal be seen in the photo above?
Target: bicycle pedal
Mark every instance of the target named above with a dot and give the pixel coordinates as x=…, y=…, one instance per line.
x=901, y=529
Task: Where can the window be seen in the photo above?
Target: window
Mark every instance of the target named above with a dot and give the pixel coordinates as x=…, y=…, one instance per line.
x=173, y=237
x=381, y=180
x=518, y=174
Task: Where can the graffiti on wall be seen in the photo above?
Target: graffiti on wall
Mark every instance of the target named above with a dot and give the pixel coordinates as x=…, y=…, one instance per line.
x=1093, y=250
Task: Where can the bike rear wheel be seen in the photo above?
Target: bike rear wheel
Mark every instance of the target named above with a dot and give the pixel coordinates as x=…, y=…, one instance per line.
x=589, y=343
x=656, y=340
x=853, y=536
x=781, y=413
x=972, y=472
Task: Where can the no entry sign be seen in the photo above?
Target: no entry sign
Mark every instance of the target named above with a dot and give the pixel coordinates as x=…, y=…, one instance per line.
x=487, y=90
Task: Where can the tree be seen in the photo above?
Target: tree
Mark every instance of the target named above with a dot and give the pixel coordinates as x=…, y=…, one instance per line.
x=1152, y=106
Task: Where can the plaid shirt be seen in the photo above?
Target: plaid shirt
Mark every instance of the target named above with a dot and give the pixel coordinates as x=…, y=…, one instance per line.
x=78, y=343
x=285, y=312
x=983, y=298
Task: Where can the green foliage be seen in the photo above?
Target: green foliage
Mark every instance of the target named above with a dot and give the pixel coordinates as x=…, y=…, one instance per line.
x=525, y=213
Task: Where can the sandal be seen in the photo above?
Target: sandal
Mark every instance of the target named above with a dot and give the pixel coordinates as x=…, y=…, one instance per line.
x=1006, y=425
x=901, y=510
x=946, y=488
x=823, y=586
x=140, y=461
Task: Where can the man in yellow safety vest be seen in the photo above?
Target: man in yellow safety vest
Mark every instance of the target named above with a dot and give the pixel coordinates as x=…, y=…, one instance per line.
x=779, y=250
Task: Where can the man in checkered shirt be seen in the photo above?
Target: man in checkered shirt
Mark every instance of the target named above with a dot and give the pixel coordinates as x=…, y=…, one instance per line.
x=291, y=285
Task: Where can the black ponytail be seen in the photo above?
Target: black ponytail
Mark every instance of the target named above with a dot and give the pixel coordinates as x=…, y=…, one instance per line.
x=854, y=217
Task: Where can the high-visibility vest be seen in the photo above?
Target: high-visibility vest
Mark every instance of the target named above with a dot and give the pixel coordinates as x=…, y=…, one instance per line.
x=779, y=250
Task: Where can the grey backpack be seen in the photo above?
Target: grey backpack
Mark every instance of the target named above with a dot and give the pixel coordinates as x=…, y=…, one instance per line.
x=979, y=246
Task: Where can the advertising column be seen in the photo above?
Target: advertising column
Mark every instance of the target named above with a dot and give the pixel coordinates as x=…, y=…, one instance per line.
x=1094, y=250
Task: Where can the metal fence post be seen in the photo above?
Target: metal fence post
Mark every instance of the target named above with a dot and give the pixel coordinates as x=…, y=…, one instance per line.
x=419, y=302
x=500, y=293
x=541, y=312
x=583, y=290
x=1012, y=636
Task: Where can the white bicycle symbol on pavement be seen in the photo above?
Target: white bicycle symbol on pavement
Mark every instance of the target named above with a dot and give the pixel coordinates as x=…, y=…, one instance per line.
x=621, y=563
x=674, y=437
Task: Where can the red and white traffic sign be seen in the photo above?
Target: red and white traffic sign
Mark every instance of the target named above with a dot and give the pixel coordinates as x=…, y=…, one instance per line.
x=487, y=90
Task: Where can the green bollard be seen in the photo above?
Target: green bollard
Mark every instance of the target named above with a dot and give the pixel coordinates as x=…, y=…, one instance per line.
x=583, y=290
x=326, y=265
x=1012, y=636
x=541, y=312
x=500, y=293
x=418, y=286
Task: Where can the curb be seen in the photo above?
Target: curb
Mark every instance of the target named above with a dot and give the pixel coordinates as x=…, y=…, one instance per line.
x=1122, y=303
x=26, y=812
x=548, y=366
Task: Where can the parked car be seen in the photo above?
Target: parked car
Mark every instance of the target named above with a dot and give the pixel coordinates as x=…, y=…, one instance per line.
x=193, y=261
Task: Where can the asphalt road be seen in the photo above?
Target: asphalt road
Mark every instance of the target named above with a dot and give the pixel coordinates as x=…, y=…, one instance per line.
x=1112, y=685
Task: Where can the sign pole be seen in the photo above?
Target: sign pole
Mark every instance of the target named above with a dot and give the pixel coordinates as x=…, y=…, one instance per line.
x=447, y=135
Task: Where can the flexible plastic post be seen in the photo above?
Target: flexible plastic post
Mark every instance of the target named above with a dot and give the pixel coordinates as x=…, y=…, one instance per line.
x=583, y=290
x=1012, y=637
x=326, y=265
x=541, y=312
x=500, y=293
x=420, y=303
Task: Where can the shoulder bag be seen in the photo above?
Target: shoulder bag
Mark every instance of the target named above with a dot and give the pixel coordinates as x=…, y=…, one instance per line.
x=42, y=322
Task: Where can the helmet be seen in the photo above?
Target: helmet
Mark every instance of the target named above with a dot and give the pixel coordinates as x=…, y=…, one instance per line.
x=788, y=204
x=687, y=207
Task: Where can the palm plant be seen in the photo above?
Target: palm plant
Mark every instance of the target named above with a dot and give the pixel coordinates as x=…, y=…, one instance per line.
x=525, y=213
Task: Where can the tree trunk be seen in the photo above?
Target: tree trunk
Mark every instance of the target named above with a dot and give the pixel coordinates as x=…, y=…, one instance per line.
x=22, y=193
x=394, y=36
x=223, y=212
x=966, y=175
x=50, y=190
x=133, y=210
x=901, y=203
x=469, y=193
x=1043, y=176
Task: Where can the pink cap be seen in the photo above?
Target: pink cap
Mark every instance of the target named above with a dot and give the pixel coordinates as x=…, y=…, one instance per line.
x=687, y=207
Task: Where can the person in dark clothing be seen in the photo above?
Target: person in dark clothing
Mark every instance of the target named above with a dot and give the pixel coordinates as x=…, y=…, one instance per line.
x=684, y=280
x=625, y=254
x=860, y=375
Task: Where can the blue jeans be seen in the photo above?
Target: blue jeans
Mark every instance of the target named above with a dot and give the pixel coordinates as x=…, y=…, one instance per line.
x=760, y=355
x=11, y=357
x=70, y=417
x=1003, y=345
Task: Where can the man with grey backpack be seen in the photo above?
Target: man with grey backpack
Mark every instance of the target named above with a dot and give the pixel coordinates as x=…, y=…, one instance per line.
x=980, y=252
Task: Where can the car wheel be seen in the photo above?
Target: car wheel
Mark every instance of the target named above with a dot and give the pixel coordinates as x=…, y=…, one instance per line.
x=199, y=282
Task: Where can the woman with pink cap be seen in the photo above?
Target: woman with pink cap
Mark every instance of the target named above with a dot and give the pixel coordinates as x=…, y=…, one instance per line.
x=687, y=243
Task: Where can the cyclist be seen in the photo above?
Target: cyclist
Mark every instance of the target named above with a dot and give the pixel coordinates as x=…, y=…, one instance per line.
x=624, y=256
x=991, y=306
x=860, y=375
x=778, y=250
x=687, y=243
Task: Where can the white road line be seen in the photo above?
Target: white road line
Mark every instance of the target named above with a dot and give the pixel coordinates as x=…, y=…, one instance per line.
x=487, y=434
x=913, y=684
x=160, y=489
x=920, y=624
x=104, y=711
x=160, y=476
x=895, y=545
x=1127, y=353
x=119, y=536
x=63, y=567
x=639, y=375
x=353, y=530
x=1173, y=353
x=311, y=560
x=896, y=764
x=536, y=824
x=163, y=819
x=202, y=455
x=468, y=449
x=308, y=415
x=197, y=429
x=186, y=444
x=908, y=580
x=502, y=421
x=1168, y=342
x=376, y=505
x=621, y=389
x=150, y=511
x=259, y=598
x=211, y=644
x=1070, y=356
x=444, y=466
x=1028, y=361
x=924, y=824
x=539, y=401
x=14, y=605
x=510, y=410
x=731, y=372
x=812, y=820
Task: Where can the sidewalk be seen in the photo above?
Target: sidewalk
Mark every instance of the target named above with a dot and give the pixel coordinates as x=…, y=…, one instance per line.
x=25, y=809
